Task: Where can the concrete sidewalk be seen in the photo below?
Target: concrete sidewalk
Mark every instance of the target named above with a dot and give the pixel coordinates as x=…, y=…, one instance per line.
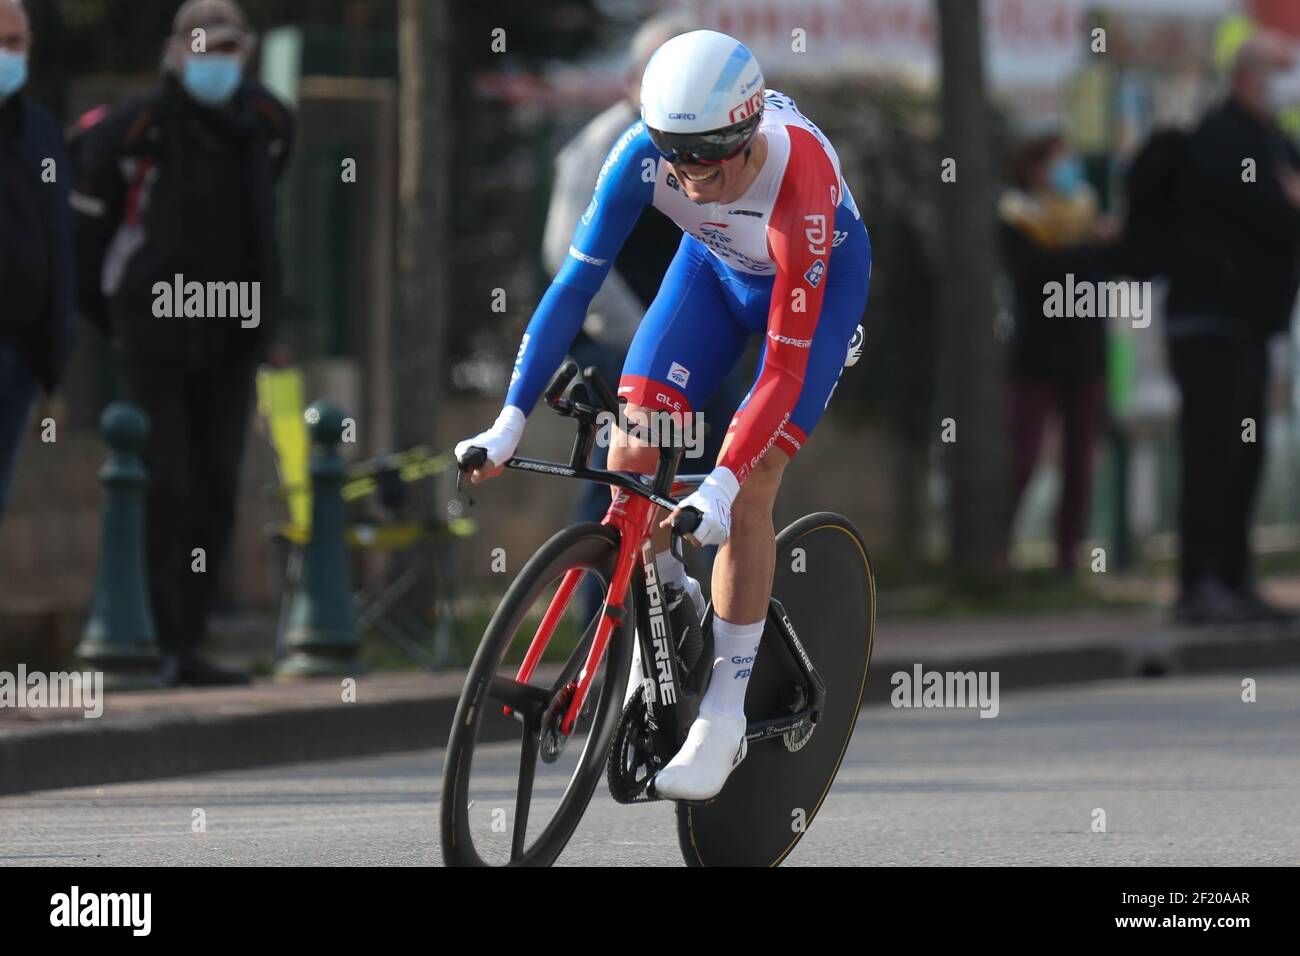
x=143, y=735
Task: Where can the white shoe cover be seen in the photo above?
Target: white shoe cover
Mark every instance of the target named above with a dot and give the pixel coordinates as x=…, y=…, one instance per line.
x=714, y=747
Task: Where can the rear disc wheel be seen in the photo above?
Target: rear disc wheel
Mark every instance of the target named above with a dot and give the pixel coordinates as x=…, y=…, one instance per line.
x=770, y=800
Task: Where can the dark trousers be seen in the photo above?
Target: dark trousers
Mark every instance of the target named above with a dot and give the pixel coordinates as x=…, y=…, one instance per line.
x=1223, y=380
x=198, y=415
x=1081, y=409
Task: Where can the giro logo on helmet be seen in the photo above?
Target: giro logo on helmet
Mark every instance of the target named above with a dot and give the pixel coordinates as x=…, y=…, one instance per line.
x=747, y=108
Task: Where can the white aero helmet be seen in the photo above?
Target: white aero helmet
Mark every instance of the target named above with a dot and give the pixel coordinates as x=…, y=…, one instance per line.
x=701, y=97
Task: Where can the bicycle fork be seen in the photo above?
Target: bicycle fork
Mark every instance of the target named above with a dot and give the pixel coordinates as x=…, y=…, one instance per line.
x=632, y=517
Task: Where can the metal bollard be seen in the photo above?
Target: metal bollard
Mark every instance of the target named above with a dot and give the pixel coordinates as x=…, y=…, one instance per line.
x=321, y=636
x=119, y=638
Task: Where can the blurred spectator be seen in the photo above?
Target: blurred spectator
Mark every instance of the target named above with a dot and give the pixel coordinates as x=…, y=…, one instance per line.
x=1050, y=227
x=181, y=182
x=631, y=286
x=35, y=245
x=1234, y=272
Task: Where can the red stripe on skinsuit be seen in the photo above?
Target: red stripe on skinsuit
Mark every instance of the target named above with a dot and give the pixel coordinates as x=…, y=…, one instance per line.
x=799, y=236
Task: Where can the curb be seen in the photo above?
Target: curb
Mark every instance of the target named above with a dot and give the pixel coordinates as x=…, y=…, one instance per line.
x=90, y=753
x=1163, y=652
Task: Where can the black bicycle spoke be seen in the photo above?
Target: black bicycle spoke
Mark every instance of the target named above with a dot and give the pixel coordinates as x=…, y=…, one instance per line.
x=566, y=777
x=524, y=698
x=573, y=666
x=524, y=795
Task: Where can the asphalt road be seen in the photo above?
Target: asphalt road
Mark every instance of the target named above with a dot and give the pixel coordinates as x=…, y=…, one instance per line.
x=1186, y=772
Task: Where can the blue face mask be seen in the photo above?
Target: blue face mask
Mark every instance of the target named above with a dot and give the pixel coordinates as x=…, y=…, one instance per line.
x=1067, y=176
x=13, y=73
x=212, y=78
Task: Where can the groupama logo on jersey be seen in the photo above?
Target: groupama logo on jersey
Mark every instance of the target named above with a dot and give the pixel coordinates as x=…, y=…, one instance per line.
x=632, y=133
x=815, y=273
x=712, y=235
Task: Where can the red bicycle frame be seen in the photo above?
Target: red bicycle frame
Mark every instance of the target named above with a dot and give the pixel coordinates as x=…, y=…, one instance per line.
x=632, y=513
x=633, y=517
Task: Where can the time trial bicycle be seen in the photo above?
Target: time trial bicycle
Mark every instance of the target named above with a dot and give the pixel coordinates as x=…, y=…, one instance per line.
x=533, y=734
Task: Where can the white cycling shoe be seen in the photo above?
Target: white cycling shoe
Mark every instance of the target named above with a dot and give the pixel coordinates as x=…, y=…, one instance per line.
x=714, y=747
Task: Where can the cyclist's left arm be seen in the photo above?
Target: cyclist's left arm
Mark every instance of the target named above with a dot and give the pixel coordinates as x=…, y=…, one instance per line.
x=800, y=233
x=799, y=237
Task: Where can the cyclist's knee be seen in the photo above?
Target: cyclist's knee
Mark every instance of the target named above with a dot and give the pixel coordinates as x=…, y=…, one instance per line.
x=753, y=505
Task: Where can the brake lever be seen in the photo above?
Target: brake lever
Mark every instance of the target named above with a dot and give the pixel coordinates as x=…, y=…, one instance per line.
x=474, y=458
x=601, y=387
x=685, y=522
x=568, y=371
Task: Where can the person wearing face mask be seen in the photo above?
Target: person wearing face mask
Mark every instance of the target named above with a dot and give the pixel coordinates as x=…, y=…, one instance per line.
x=35, y=245
x=182, y=181
x=1234, y=268
x=1050, y=227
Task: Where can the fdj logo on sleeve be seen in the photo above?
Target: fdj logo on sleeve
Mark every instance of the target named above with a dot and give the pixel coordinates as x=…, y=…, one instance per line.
x=815, y=233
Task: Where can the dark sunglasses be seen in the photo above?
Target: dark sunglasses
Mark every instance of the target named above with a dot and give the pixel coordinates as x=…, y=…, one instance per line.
x=705, y=149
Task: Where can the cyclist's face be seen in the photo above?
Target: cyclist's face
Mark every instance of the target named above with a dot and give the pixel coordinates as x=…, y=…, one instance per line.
x=721, y=182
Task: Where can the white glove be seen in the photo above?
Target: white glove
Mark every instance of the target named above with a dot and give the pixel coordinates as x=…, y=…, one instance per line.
x=500, y=440
x=713, y=499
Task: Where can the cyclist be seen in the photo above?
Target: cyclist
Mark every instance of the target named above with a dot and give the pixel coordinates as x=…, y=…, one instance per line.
x=773, y=243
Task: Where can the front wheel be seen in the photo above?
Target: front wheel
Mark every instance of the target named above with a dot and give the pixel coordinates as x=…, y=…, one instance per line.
x=499, y=809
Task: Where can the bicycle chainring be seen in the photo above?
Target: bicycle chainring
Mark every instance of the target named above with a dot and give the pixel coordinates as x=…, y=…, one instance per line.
x=795, y=740
x=630, y=765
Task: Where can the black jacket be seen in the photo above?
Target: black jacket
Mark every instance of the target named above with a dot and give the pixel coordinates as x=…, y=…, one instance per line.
x=1066, y=350
x=1236, y=250
x=165, y=186
x=36, y=261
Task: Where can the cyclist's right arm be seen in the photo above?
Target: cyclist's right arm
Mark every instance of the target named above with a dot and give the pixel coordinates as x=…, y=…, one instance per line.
x=616, y=307
x=623, y=188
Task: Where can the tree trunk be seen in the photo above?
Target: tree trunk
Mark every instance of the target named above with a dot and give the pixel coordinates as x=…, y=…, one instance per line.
x=420, y=327
x=977, y=473
x=418, y=343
